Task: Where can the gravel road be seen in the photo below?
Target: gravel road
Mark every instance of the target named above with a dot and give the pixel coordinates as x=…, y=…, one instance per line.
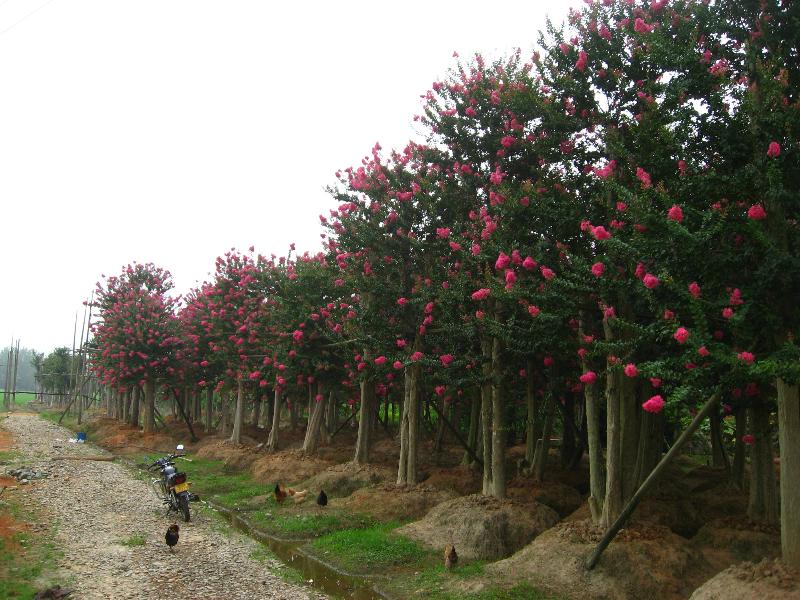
x=96, y=505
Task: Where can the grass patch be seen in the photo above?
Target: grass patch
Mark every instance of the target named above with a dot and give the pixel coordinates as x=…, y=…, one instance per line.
x=27, y=558
x=137, y=539
x=371, y=548
x=436, y=583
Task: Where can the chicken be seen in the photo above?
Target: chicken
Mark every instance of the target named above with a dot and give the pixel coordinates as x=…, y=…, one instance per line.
x=450, y=557
x=53, y=593
x=322, y=499
x=172, y=536
x=281, y=494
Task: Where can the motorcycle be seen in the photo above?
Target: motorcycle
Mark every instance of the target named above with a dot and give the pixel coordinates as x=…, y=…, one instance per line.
x=171, y=485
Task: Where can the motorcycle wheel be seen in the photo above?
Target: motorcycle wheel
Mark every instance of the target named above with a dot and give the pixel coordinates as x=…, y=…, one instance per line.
x=183, y=505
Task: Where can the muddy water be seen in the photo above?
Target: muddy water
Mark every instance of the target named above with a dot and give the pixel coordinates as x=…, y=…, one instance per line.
x=316, y=573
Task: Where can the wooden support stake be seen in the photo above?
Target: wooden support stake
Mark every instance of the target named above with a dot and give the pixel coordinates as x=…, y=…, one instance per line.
x=456, y=433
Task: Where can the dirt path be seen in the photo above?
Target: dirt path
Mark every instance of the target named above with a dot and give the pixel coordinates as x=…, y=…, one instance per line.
x=97, y=505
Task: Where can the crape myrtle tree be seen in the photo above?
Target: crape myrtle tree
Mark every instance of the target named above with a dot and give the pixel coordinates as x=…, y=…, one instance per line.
x=137, y=337
x=235, y=301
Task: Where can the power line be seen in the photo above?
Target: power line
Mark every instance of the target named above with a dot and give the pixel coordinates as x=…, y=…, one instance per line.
x=30, y=14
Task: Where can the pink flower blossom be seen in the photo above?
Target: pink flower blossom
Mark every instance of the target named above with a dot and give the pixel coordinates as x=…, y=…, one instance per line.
x=650, y=281
x=475, y=249
x=694, y=289
x=397, y=364
x=681, y=335
x=402, y=301
x=598, y=269
x=654, y=405
x=533, y=310
x=511, y=278
x=503, y=260
x=655, y=382
x=380, y=360
x=297, y=336
x=455, y=246
x=442, y=233
x=361, y=366
x=439, y=389
x=668, y=314
x=417, y=356
x=481, y=294
x=639, y=26
x=675, y=213
x=609, y=313
x=529, y=264
x=703, y=351
x=631, y=370
x=548, y=361
x=446, y=359
x=479, y=314
x=600, y=233
x=583, y=58
x=589, y=377
x=757, y=212
x=746, y=357
x=547, y=273
x=774, y=150
x=748, y=439
x=644, y=177
x=727, y=312
x=641, y=270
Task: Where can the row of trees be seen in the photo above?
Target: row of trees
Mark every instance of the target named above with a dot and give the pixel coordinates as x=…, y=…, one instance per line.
x=602, y=235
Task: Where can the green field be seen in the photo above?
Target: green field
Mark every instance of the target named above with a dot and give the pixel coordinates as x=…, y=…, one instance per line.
x=22, y=398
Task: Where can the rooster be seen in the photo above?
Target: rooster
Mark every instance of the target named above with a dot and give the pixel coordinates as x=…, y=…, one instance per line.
x=450, y=557
x=322, y=499
x=172, y=536
x=281, y=494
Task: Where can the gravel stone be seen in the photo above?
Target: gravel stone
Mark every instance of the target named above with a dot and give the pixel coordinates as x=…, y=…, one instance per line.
x=96, y=505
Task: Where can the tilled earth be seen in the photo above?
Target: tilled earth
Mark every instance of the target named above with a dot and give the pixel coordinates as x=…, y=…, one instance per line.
x=95, y=506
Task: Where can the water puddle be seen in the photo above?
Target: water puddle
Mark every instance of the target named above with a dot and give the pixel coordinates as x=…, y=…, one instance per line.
x=315, y=572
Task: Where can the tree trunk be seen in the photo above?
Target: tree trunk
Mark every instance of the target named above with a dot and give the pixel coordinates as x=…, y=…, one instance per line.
x=272, y=441
x=737, y=472
x=223, y=407
x=717, y=456
x=474, y=423
x=612, y=504
x=630, y=416
x=439, y=440
x=597, y=475
x=294, y=403
x=486, y=417
x=256, y=416
x=365, y=417
x=409, y=427
x=651, y=441
x=532, y=424
x=238, y=418
x=543, y=444
x=133, y=416
x=763, y=502
x=314, y=424
x=498, y=424
x=209, y=409
x=789, y=436
x=149, y=406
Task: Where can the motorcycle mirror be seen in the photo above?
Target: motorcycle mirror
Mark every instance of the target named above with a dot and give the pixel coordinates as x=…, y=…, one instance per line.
x=179, y=447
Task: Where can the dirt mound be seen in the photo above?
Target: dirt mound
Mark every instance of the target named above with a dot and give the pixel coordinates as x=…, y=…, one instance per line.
x=730, y=540
x=643, y=562
x=767, y=580
x=562, y=498
x=390, y=502
x=344, y=479
x=461, y=480
x=288, y=466
x=482, y=527
x=234, y=456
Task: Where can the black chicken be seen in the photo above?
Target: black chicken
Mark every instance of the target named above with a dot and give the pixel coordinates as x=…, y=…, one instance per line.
x=172, y=536
x=322, y=499
x=53, y=593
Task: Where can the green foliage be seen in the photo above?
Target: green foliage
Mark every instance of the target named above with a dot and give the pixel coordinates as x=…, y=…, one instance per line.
x=137, y=539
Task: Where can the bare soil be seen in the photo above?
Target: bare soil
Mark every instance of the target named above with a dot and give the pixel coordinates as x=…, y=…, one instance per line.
x=768, y=579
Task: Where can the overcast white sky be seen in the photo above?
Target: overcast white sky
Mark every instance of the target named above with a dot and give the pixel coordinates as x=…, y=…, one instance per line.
x=172, y=130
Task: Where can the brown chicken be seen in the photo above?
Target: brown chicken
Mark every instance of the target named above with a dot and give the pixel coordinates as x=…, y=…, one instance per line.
x=172, y=536
x=450, y=557
x=281, y=493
